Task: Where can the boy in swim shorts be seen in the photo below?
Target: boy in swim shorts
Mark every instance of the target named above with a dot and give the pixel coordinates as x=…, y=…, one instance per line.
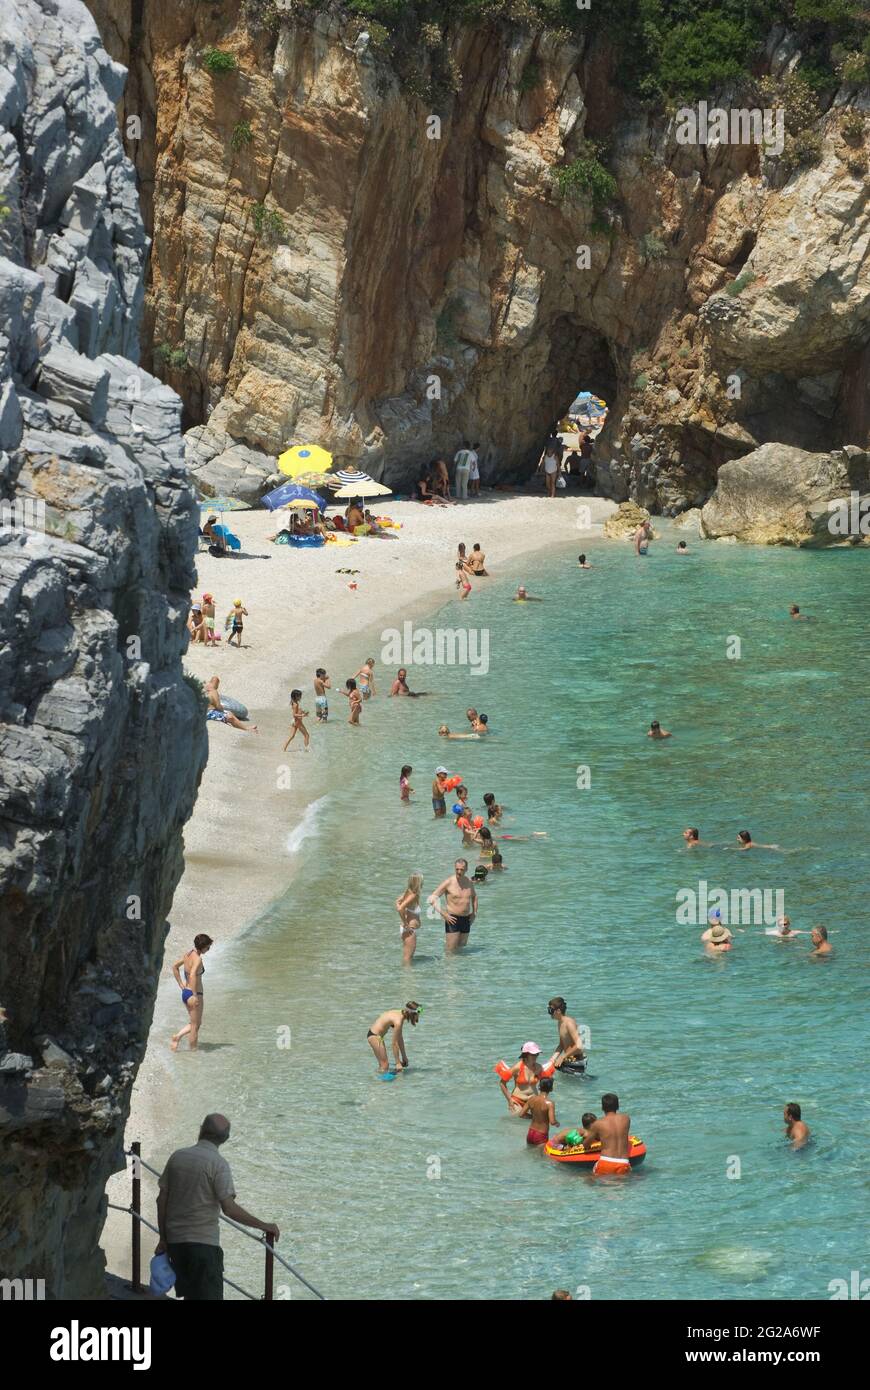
x=439, y=792
x=234, y=622
x=541, y=1110
x=321, y=703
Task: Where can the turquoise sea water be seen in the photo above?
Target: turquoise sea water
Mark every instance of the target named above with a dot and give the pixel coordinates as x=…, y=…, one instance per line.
x=424, y=1188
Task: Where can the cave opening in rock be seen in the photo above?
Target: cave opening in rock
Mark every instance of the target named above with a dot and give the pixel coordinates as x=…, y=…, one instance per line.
x=579, y=396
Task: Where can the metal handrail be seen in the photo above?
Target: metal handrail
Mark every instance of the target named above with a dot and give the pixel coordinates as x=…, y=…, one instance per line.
x=267, y=1241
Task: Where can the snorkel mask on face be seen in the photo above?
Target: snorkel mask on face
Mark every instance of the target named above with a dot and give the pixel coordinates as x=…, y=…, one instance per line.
x=414, y=1011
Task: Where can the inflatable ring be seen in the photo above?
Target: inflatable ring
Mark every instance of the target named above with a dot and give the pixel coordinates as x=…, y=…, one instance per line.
x=579, y=1154
x=234, y=706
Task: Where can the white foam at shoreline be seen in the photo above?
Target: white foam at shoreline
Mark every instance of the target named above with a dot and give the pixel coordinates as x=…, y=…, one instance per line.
x=307, y=826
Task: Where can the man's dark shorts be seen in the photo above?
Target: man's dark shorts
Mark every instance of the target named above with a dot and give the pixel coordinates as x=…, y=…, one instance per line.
x=199, y=1271
x=439, y=805
x=460, y=924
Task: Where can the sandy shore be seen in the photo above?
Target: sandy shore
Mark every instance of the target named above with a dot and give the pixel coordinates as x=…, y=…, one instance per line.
x=299, y=609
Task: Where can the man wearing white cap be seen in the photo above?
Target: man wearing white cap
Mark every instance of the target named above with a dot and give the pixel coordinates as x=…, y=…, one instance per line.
x=439, y=792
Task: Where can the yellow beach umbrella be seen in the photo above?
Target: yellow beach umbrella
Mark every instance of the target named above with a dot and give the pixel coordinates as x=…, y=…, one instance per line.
x=304, y=458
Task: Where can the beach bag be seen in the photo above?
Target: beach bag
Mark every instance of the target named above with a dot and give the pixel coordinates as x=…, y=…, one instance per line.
x=560, y=481
x=162, y=1276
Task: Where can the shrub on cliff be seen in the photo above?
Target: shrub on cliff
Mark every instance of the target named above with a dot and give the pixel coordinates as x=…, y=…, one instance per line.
x=586, y=176
x=242, y=135
x=268, y=224
x=216, y=60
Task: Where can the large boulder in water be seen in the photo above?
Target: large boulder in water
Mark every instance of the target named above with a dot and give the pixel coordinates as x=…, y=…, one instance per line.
x=622, y=524
x=779, y=495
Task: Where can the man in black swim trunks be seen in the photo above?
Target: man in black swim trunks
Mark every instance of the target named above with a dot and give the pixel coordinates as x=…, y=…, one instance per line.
x=460, y=906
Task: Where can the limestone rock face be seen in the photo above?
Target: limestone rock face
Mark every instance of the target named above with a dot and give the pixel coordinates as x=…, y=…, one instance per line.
x=783, y=496
x=334, y=275
x=102, y=741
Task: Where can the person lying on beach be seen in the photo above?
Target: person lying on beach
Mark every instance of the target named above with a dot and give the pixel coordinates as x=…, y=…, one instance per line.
x=405, y=787
x=395, y=1019
x=216, y=710
x=578, y=1134
x=795, y=612
x=582, y=563
x=746, y=842
x=298, y=715
x=522, y=595
x=477, y=560
x=234, y=622
x=408, y=908
x=796, y=1131
x=493, y=810
x=354, y=698
x=821, y=944
x=444, y=732
x=656, y=731
x=541, y=1111
x=570, y=1044
x=400, y=685
x=321, y=701
x=425, y=492
x=462, y=582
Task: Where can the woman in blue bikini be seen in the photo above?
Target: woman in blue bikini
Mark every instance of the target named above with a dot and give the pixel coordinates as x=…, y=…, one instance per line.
x=191, y=993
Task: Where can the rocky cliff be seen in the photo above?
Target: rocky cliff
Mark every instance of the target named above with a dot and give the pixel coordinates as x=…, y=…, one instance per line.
x=340, y=260
x=102, y=741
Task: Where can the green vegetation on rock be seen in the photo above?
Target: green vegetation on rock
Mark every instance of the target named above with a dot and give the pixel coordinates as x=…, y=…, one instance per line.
x=745, y=278
x=216, y=60
x=586, y=176
x=242, y=135
x=268, y=224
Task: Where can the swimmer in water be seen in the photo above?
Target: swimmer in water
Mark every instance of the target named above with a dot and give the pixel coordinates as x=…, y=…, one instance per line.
x=716, y=939
x=444, y=732
x=408, y=908
x=656, y=731
x=582, y=563
x=541, y=1111
x=746, y=842
x=525, y=1075
x=690, y=835
x=499, y=866
x=400, y=686
x=395, y=1019
x=481, y=723
x=796, y=1131
x=493, y=810
x=522, y=595
x=795, y=612
x=642, y=538
x=570, y=1044
x=783, y=931
x=821, y=944
x=612, y=1131
x=682, y=548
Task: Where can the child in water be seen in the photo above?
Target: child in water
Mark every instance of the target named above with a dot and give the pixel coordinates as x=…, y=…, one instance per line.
x=354, y=698
x=298, y=715
x=541, y=1111
x=498, y=865
x=493, y=810
x=462, y=582
x=405, y=787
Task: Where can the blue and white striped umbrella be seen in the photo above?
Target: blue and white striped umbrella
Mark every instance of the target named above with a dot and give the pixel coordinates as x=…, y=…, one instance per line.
x=351, y=475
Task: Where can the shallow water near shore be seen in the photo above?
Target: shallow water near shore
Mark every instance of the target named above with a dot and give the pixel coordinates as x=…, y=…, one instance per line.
x=424, y=1187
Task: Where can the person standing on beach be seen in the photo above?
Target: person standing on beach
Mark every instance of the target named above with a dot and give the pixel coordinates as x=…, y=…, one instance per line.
x=440, y=477
x=321, y=700
x=298, y=715
x=460, y=906
x=208, y=615
x=234, y=621
x=395, y=1019
x=462, y=460
x=408, y=908
x=796, y=1131
x=551, y=462
x=474, y=472
x=439, y=793
x=354, y=698
x=191, y=994
x=194, y=1188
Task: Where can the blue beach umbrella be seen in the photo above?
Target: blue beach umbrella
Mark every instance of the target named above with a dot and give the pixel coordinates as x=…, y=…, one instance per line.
x=289, y=493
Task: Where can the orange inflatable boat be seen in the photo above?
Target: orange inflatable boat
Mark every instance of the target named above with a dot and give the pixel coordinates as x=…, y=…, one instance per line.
x=578, y=1153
